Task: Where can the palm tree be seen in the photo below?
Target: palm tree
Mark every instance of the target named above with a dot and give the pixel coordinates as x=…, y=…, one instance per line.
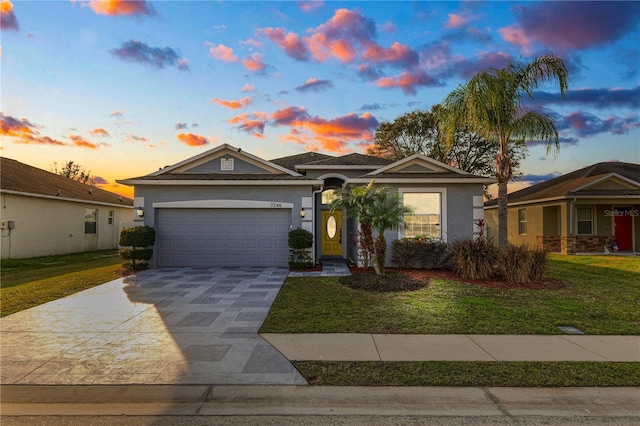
x=356, y=200
x=386, y=212
x=491, y=105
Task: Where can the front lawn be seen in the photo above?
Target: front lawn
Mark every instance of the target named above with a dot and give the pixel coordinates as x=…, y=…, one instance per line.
x=601, y=295
x=31, y=282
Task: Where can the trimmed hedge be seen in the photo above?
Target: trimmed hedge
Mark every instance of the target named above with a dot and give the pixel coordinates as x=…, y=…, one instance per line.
x=139, y=238
x=300, y=243
x=420, y=253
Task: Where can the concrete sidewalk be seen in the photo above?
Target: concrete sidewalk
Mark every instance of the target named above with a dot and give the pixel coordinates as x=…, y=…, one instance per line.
x=207, y=400
x=458, y=347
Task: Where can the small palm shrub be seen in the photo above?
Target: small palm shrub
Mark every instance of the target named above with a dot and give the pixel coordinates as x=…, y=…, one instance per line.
x=474, y=259
x=538, y=264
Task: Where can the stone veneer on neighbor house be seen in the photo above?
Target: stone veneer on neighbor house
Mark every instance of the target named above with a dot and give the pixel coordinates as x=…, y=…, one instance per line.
x=575, y=244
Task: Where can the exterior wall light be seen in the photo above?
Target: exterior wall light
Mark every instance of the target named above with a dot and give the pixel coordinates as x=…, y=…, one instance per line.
x=302, y=213
x=140, y=212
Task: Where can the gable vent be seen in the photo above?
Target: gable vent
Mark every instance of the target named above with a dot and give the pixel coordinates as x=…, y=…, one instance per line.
x=226, y=164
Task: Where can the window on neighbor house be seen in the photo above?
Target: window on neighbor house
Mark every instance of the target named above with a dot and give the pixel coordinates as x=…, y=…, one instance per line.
x=111, y=217
x=522, y=221
x=90, y=221
x=585, y=220
x=426, y=218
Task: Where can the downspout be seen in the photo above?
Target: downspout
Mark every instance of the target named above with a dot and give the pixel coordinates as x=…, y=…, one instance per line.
x=313, y=219
x=571, y=216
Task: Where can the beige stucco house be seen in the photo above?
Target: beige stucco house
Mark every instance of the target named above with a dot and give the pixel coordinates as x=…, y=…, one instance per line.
x=45, y=214
x=581, y=212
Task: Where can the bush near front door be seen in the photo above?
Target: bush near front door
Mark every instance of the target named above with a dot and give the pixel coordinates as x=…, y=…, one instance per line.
x=300, y=243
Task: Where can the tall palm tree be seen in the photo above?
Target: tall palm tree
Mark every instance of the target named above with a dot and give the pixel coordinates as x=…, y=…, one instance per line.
x=491, y=104
x=387, y=212
x=356, y=200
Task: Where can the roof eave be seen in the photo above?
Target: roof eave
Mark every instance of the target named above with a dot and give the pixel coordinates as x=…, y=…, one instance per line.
x=74, y=200
x=132, y=182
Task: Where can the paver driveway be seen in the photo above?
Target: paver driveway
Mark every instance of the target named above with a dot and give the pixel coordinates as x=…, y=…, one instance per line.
x=162, y=326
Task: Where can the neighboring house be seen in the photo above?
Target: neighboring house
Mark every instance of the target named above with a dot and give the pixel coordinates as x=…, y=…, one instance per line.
x=47, y=214
x=226, y=207
x=582, y=211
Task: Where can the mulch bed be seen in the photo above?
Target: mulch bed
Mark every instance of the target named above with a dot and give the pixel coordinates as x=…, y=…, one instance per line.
x=425, y=275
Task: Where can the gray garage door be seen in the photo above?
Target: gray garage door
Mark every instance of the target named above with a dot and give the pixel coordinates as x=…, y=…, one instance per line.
x=223, y=237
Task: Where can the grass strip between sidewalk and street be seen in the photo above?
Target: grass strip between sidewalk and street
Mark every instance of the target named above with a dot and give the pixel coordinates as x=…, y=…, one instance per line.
x=466, y=373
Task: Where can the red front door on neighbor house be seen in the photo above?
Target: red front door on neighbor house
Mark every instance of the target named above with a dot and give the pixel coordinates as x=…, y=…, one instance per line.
x=623, y=227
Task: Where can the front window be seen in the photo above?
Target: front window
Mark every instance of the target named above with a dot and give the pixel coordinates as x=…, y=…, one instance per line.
x=585, y=220
x=90, y=221
x=329, y=195
x=426, y=218
x=522, y=221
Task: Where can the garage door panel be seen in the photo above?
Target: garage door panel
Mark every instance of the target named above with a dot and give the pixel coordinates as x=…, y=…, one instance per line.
x=223, y=237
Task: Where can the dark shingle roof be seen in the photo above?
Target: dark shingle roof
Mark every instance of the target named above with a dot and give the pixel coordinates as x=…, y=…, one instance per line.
x=428, y=175
x=566, y=185
x=295, y=160
x=19, y=177
x=353, y=160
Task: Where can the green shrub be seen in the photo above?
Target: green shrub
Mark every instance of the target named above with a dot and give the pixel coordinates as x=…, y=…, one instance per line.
x=474, y=259
x=420, y=253
x=300, y=243
x=139, y=238
x=538, y=264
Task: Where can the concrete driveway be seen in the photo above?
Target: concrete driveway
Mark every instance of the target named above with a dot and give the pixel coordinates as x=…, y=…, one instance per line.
x=161, y=326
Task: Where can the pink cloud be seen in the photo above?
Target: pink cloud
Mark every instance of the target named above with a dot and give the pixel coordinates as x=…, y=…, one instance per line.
x=289, y=115
x=291, y=43
x=253, y=123
x=397, y=54
x=191, y=139
x=455, y=21
x=121, y=7
x=310, y=6
x=516, y=36
x=99, y=132
x=254, y=62
x=24, y=132
x=249, y=88
x=223, y=53
x=408, y=81
x=80, y=142
x=234, y=104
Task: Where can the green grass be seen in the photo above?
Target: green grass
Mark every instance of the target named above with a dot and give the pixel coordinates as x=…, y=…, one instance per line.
x=601, y=296
x=31, y=282
x=457, y=373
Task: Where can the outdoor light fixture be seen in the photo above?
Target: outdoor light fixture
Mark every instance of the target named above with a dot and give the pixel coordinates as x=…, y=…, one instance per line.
x=140, y=212
x=302, y=213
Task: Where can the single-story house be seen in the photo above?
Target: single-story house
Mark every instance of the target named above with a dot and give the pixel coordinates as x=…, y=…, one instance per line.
x=227, y=207
x=44, y=213
x=583, y=211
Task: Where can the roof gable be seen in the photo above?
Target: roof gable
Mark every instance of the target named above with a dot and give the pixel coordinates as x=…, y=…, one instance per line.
x=417, y=163
x=212, y=161
x=608, y=178
x=17, y=177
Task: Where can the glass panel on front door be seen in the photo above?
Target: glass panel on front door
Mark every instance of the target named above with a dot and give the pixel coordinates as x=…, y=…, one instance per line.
x=331, y=233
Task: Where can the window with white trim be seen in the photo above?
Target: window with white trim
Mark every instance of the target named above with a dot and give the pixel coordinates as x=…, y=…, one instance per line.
x=111, y=217
x=584, y=217
x=426, y=220
x=90, y=221
x=522, y=221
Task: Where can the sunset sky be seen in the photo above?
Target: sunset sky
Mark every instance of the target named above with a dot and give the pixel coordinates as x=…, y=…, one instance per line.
x=126, y=87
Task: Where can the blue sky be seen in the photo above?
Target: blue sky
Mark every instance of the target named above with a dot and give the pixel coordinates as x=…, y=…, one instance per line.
x=124, y=88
